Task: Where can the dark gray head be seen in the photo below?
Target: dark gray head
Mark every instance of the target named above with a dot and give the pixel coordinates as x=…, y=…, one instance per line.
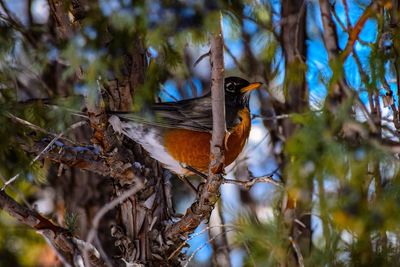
x=237, y=92
x=237, y=95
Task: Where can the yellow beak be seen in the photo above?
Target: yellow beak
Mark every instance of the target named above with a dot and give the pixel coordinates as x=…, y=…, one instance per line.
x=250, y=87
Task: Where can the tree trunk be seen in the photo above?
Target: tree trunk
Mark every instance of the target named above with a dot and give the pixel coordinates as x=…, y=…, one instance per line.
x=295, y=209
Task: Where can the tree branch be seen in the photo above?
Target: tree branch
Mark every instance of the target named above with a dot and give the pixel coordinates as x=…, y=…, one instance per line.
x=249, y=183
x=329, y=34
x=209, y=192
x=83, y=157
x=60, y=238
x=355, y=31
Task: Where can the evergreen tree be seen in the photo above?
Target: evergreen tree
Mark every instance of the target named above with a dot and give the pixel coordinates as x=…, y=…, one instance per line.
x=316, y=185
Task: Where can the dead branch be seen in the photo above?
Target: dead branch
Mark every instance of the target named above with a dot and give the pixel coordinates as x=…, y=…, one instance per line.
x=221, y=246
x=35, y=127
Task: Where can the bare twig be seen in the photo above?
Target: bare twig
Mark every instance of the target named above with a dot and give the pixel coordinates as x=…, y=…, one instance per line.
x=346, y=10
x=202, y=246
x=176, y=251
x=221, y=246
x=201, y=58
x=249, y=183
x=271, y=118
x=18, y=192
x=342, y=26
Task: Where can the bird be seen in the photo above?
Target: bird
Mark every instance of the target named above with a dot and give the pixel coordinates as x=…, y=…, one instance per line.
x=179, y=133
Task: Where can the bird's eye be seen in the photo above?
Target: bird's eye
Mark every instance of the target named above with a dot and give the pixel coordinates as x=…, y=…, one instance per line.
x=230, y=87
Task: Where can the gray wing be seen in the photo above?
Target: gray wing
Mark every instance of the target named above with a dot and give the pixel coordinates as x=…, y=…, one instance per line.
x=187, y=114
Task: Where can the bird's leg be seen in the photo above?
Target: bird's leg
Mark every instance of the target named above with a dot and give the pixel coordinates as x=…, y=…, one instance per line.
x=188, y=183
x=190, y=168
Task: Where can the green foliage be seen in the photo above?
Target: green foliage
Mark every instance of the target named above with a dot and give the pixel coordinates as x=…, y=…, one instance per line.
x=264, y=242
x=70, y=220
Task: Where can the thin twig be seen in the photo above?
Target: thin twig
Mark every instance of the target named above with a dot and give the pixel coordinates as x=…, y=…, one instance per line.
x=249, y=183
x=202, y=246
x=346, y=11
x=201, y=58
x=102, y=252
x=176, y=251
x=342, y=26
x=271, y=118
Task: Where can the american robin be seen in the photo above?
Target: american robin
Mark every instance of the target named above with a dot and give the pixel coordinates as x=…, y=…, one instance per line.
x=180, y=132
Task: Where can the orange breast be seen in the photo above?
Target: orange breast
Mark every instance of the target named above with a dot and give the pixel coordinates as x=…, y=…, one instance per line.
x=193, y=148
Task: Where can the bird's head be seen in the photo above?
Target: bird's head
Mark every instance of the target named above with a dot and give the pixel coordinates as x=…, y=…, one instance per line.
x=237, y=91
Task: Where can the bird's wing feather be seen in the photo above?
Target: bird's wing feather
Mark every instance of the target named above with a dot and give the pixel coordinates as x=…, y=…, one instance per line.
x=184, y=114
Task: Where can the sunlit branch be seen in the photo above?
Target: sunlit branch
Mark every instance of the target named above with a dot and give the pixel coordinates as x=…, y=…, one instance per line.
x=355, y=31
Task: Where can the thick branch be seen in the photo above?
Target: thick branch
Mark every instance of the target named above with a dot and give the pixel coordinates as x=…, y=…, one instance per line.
x=83, y=157
x=209, y=192
x=218, y=103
